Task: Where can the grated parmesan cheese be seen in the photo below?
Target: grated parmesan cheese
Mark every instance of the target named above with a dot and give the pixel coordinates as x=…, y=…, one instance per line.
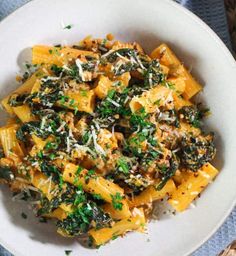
x=113, y=102
x=81, y=73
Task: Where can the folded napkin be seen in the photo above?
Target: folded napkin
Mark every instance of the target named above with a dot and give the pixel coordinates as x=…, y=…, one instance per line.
x=213, y=13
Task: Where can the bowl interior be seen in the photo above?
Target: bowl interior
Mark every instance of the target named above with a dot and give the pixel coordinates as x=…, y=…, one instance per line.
x=39, y=22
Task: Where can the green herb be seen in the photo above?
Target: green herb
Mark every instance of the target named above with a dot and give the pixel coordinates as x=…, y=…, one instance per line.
x=153, y=74
x=61, y=181
x=52, y=156
x=23, y=215
x=54, y=50
x=97, y=196
x=51, y=145
x=90, y=174
x=115, y=104
x=64, y=99
x=68, y=26
x=79, y=221
x=17, y=100
x=171, y=117
x=196, y=151
x=86, y=137
x=193, y=115
x=56, y=69
x=116, y=201
x=80, y=196
x=114, y=237
x=168, y=172
x=68, y=252
x=50, y=170
x=40, y=154
x=76, y=110
x=79, y=170
x=72, y=102
x=123, y=165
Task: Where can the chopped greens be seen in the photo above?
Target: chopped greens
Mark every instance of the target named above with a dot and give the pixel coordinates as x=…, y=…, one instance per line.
x=123, y=166
x=68, y=26
x=79, y=222
x=98, y=124
x=193, y=115
x=116, y=201
x=197, y=151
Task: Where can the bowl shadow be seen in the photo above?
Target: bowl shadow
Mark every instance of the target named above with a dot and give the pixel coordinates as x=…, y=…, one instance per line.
x=41, y=232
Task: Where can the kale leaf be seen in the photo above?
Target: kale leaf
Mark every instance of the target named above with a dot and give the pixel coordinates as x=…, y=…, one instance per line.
x=196, y=151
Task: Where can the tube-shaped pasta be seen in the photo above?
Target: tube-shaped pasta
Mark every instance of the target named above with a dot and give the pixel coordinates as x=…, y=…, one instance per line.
x=135, y=222
x=168, y=58
x=43, y=183
x=23, y=113
x=95, y=185
x=192, y=186
x=103, y=87
x=149, y=99
x=158, y=96
x=36, y=86
x=42, y=54
x=81, y=102
x=10, y=144
x=46, y=185
x=180, y=177
x=24, y=88
x=178, y=84
x=123, y=79
x=57, y=214
x=179, y=102
x=40, y=143
x=116, y=213
x=121, y=45
x=164, y=69
x=151, y=194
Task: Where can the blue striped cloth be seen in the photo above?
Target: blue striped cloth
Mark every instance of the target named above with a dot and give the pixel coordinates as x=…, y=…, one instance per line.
x=213, y=13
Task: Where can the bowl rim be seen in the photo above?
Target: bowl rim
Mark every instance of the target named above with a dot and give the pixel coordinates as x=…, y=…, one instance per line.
x=228, y=56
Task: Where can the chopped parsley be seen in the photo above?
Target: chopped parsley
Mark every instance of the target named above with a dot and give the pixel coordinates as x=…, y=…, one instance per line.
x=68, y=252
x=116, y=201
x=68, y=26
x=123, y=165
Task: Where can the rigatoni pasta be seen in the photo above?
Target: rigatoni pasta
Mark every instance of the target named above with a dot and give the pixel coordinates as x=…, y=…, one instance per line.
x=100, y=132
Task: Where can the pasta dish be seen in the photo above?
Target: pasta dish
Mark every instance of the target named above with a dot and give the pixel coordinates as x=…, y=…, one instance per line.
x=99, y=131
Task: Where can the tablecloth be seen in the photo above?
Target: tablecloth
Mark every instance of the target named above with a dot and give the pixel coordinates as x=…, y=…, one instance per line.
x=213, y=13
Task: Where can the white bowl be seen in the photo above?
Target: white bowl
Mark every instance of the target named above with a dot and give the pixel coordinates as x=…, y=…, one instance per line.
x=148, y=22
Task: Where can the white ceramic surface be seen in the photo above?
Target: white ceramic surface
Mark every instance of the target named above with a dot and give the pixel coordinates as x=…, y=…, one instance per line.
x=148, y=22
